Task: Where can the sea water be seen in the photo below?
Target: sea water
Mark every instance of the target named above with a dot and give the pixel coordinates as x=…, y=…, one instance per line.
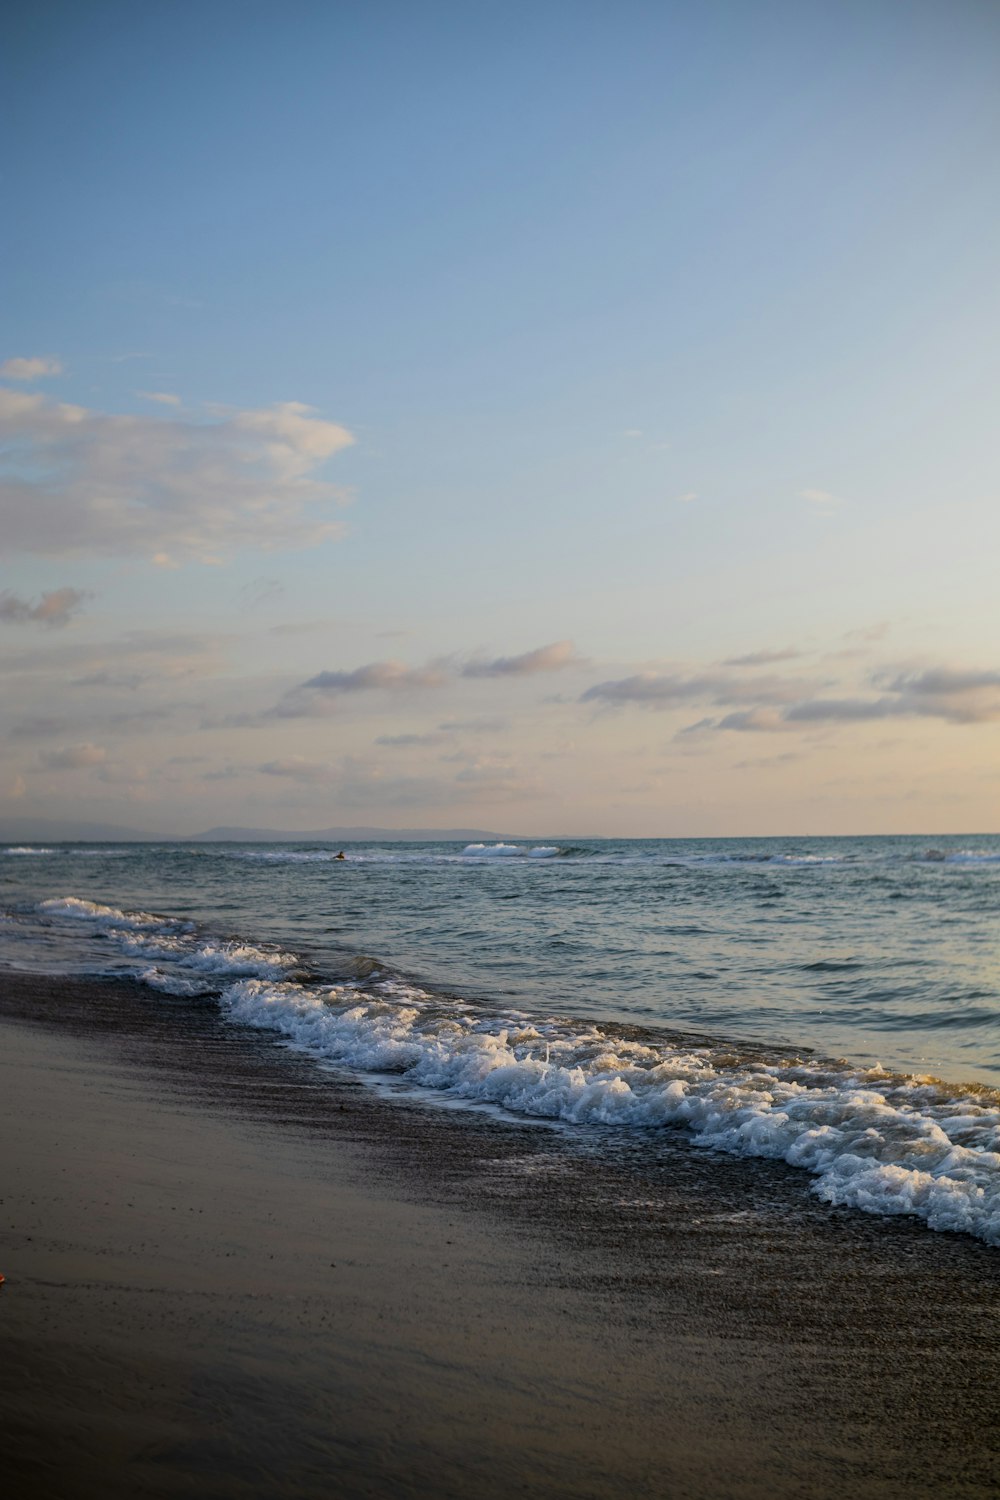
x=834, y=1003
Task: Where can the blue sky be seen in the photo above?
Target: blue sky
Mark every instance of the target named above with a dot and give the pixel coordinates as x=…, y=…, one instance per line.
x=668, y=331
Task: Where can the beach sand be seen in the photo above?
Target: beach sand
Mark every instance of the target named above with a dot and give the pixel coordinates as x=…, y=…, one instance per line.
x=233, y=1273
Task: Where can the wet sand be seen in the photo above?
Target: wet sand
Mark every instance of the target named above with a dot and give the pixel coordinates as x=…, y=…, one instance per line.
x=233, y=1273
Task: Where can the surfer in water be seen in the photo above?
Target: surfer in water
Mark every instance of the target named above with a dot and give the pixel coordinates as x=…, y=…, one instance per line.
x=341, y=855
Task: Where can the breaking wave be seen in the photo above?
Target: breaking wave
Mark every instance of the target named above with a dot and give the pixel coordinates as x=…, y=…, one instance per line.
x=886, y=1143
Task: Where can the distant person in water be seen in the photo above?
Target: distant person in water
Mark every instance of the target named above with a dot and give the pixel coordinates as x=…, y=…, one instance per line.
x=341, y=855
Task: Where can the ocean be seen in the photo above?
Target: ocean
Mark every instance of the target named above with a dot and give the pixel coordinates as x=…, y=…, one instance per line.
x=833, y=1003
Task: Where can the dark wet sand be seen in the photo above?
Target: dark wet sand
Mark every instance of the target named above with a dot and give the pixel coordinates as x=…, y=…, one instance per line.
x=233, y=1274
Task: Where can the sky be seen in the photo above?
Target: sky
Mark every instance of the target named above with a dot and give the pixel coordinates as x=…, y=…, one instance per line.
x=558, y=418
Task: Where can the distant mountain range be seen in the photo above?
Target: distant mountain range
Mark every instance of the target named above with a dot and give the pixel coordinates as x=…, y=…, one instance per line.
x=41, y=830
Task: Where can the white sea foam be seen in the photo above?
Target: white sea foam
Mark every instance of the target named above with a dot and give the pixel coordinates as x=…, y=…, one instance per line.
x=201, y=961
x=107, y=916
x=885, y=1143
x=879, y=1142
x=174, y=958
x=19, y=849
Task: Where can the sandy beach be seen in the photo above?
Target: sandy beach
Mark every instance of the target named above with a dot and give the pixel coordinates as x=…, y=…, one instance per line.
x=233, y=1273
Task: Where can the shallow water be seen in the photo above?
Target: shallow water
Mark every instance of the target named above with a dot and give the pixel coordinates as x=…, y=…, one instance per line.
x=712, y=984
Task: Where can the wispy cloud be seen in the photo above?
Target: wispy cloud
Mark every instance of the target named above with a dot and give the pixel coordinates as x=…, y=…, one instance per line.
x=319, y=695
x=296, y=768
x=412, y=741
x=475, y=726
x=668, y=690
x=762, y=658
x=750, y=721
x=163, y=398
x=551, y=658
x=54, y=609
x=31, y=369
x=170, y=488
x=382, y=676
x=955, y=695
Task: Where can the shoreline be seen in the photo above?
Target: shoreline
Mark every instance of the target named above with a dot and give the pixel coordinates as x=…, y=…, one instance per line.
x=231, y=1271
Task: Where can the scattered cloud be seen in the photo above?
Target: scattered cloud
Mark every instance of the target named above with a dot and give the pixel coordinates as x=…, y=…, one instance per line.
x=319, y=696
x=752, y=721
x=551, y=658
x=171, y=488
x=475, y=726
x=31, y=369
x=762, y=658
x=54, y=609
x=946, y=682
x=383, y=676
x=836, y=710
x=771, y=703
x=312, y=772
x=700, y=726
x=163, y=398
x=668, y=690
x=412, y=741
x=955, y=695
x=687, y=497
